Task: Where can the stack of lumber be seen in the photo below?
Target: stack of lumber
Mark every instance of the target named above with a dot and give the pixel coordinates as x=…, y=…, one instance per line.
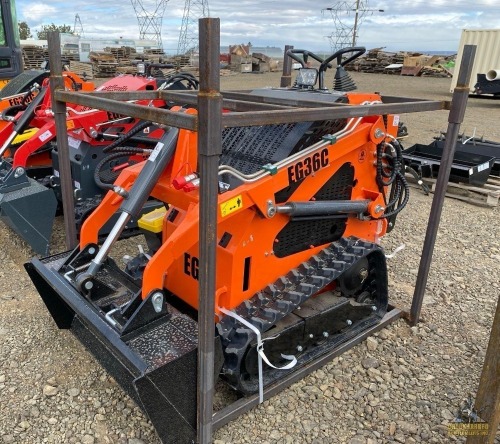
x=180, y=61
x=84, y=70
x=33, y=56
x=153, y=55
x=123, y=55
x=404, y=63
x=378, y=61
x=103, y=63
x=69, y=57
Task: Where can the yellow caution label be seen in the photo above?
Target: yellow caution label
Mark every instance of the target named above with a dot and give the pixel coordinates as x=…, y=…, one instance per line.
x=3, y=82
x=70, y=124
x=231, y=205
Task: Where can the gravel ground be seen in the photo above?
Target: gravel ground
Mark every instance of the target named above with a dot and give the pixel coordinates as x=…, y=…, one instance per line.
x=402, y=385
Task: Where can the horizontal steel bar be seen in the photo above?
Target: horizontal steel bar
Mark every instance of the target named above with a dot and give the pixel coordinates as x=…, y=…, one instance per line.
x=252, y=117
x=126, y=95
x=326, y=113
x=159, y=115
x=243, y=405
x=395, y=99
x=183, y=97
x=244, y=105
x=190, y=98
x=245, y=96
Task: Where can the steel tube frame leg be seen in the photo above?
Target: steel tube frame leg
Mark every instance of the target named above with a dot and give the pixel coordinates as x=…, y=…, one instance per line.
x=209, y=151
x=487, y=401
x=59, y=109
x=456, y=117
x=286, y=78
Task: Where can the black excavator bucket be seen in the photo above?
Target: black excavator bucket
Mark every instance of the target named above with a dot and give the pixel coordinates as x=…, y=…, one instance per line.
x=23, y=82
x=155, y=362
x=29, y=208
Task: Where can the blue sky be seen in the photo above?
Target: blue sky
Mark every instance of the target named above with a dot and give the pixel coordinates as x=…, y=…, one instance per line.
x=404, y=25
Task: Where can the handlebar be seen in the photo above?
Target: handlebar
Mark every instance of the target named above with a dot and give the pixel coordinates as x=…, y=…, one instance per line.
x=358, y=50
x=292, y=53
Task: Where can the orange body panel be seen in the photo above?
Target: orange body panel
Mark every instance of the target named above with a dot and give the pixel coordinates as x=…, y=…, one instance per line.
x=247, y=262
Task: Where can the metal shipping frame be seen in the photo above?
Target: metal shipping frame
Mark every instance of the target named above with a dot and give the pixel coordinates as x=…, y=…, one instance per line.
x=247, y=110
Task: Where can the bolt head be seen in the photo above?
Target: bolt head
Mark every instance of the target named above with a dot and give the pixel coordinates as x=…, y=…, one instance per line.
x=311, y=335
x=157, y=301
x=88, y=285
x=19, y=172
x=349, y=322
x=299, y=348
x=325, y=334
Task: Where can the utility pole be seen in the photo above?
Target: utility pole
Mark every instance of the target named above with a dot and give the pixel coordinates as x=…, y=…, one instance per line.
x=355, y=29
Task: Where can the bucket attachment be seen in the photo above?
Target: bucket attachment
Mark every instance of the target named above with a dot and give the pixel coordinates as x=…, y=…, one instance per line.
x=150, y=348
x=23, y=82
x=29, y=209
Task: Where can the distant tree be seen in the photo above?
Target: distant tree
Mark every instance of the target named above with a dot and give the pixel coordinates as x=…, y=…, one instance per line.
x=42, y=34
x=24, y=31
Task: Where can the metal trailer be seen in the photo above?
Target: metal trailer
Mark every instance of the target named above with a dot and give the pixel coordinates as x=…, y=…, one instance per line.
x=247, y=110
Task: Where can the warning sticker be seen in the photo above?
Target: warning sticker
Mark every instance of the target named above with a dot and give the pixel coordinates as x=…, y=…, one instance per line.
x=231, y=205
x=44, y=136
x=155, y=152
x=74, y=143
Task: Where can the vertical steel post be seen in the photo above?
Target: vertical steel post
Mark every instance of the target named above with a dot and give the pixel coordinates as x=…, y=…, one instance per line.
x=59, y=109
x=487, y=401
x=456, y=117
x=209, y=151
x=286, y=77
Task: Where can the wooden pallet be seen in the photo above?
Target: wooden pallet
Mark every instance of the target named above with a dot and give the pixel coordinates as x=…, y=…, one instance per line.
x=486, y=196
x=34, y=56
x=82, y=69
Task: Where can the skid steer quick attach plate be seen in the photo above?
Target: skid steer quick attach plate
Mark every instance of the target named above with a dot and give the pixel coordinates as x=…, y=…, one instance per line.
x=156, y=365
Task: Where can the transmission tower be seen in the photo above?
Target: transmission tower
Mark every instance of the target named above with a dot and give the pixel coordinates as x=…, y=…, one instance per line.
x=150, y=16
x=188, y=37
x=78, y=27
x=347, y=17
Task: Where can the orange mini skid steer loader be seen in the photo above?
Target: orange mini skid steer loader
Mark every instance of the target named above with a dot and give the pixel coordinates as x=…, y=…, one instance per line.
x=301, y=209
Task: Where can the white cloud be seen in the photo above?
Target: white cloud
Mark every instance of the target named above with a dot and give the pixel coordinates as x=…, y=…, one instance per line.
x=37, y=12
x=405, y=24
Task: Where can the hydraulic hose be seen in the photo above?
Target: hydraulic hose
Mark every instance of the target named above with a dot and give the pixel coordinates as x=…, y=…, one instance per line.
x=118, y=153
x=389, y=173
x=136, y=129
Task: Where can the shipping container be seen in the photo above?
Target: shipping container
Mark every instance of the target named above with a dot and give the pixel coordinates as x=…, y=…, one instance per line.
x=487, y=56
